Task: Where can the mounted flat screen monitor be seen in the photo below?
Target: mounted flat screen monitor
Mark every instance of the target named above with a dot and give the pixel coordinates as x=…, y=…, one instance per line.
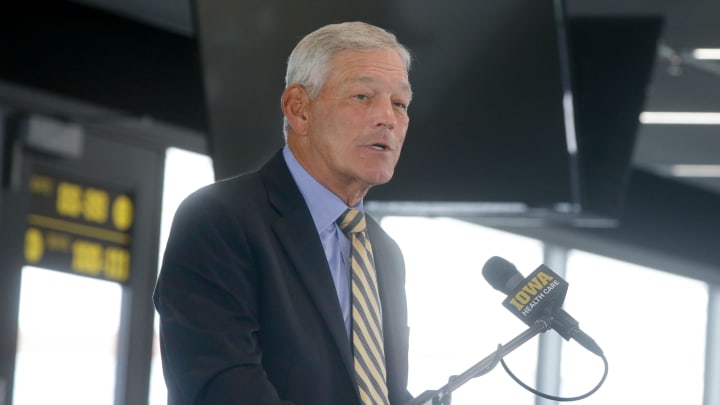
x=612, y=60
x=491, y=123
x=489, y=135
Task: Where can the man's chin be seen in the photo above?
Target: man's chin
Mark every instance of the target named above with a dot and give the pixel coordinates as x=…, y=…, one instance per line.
x=379, y=179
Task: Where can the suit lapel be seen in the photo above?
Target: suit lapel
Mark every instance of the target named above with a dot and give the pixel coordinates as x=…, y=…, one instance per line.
x=391, y=284
x=296, y=232
x=389, y=280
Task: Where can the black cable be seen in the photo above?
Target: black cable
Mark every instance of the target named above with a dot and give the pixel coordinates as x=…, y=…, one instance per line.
x=552, y=397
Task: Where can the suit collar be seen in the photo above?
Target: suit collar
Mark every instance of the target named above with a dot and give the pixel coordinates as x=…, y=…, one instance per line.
x=283, y=193
x=305, y=250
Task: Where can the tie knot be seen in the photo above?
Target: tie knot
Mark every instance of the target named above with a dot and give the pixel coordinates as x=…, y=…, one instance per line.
x=352, y=221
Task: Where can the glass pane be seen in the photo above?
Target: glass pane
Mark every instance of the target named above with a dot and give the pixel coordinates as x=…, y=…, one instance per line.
x=456, y=318
x=185, y=172
x=67, y=340
x=650, y=325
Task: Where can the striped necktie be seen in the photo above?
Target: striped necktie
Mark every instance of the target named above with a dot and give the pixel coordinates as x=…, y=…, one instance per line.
x=367, y=336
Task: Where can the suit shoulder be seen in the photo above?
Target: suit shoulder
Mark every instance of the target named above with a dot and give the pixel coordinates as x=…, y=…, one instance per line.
x=233, y=190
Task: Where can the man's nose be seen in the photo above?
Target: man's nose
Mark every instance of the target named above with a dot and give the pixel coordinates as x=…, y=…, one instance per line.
x=385, y=113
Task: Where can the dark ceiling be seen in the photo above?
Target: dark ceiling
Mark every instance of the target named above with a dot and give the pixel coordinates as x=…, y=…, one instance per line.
x=679, y=82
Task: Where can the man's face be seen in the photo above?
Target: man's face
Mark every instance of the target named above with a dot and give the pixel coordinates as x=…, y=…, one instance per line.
x=358, y=121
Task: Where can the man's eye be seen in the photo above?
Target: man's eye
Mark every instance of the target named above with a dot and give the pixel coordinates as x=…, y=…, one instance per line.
x=401, y=105
x=361, y=96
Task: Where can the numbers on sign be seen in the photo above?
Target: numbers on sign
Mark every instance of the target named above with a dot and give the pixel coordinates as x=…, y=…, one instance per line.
x=92, y=259
x=87, y=257
x=78, y=228
x=34, y=245
x=117, y=264
x=95, y=207
x=42, y=185
x=122, y=212
x=57, y=242
x=92, y=203
x=69, y=199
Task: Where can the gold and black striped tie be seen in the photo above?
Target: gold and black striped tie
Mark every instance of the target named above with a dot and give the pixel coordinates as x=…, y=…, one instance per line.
x=369, y=355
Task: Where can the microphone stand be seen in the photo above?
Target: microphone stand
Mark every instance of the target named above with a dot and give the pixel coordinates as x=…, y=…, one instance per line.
x=442, y=396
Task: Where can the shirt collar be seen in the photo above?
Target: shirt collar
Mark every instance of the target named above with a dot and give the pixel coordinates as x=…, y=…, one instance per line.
x=325, y=207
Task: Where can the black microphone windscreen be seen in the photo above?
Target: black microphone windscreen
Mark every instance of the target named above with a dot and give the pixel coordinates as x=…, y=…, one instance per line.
x=501, y=274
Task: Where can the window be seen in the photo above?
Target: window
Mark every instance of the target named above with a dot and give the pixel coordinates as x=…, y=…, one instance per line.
x=185, y=172
x=650, y=324
x=67, y=340
x=456, y=319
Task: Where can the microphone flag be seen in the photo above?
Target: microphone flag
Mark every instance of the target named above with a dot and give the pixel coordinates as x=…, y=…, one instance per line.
x=540, y=294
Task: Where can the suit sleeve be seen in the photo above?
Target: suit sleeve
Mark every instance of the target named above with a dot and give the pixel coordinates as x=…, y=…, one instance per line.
x=206, y=297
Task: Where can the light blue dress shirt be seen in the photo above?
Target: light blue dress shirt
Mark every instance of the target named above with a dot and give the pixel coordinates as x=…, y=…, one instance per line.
x=325, y=208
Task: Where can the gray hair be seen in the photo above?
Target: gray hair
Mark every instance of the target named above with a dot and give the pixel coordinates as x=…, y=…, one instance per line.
x=308, y=62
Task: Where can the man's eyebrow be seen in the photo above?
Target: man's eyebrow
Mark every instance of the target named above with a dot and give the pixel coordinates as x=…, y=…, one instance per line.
x=404, y=87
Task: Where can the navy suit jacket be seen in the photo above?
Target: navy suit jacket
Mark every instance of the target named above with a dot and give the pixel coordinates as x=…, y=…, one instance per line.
x=248, y=310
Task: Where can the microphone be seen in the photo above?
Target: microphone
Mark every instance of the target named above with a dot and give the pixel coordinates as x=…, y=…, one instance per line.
x=539, y=295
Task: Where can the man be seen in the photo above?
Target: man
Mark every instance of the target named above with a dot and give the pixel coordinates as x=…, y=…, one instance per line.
x=257, y=293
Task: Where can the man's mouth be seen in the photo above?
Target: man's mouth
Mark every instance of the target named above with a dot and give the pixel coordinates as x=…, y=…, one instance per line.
x=379, y=146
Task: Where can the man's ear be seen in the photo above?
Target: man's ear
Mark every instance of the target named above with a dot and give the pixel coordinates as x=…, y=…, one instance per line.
x=295, y=103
